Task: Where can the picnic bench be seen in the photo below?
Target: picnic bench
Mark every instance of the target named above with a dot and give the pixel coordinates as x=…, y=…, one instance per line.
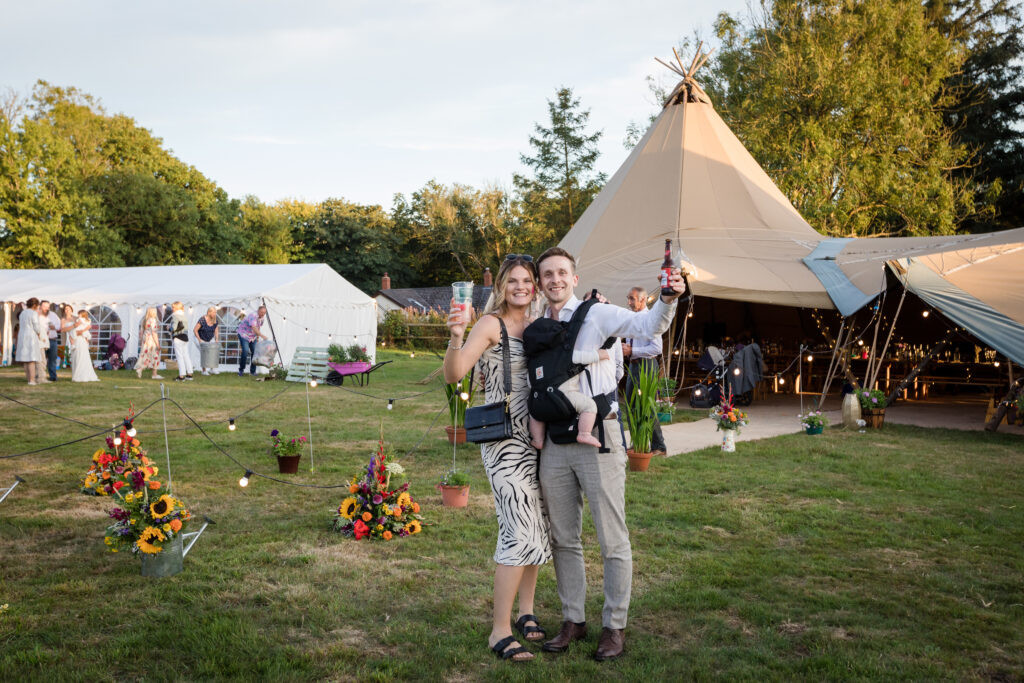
x=358, y=371
x=308, y=362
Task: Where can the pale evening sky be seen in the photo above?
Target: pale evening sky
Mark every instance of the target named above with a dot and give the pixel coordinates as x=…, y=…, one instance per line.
x=359, y=100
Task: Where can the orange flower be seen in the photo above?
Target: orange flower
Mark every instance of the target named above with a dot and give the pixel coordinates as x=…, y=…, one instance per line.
x=353, y=488
x=386, y=535
x=367, y=516
x=416, y=508
x=106, y=475
x=732, y=418
x=135, y=442
x=145, y=460
x=154, y=484
x=176, y=525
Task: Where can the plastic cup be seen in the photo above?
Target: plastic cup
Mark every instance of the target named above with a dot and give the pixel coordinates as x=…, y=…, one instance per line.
x=462, y=292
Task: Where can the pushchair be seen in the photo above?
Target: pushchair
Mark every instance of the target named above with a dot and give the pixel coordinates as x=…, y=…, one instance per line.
x=115, y=349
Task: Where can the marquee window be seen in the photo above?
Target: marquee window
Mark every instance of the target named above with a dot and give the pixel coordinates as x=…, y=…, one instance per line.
x=229, y=318
x=105, y=323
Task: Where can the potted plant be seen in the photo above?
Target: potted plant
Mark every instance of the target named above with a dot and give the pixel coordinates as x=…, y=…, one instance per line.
x=460, y=396
x=640, y=417
x=666, y=399
x=872, y=407
x=287, y=451
x=379, y=506
x=348, y=360
x=813, y=422
x=728, y=420
x=454, y=486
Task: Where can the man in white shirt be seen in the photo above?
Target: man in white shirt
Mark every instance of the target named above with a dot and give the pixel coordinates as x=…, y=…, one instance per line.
x=52, y=322
x=568, y=472
x=643, y=353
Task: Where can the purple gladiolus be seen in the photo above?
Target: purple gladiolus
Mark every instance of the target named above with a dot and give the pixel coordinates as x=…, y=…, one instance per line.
x=377, y=499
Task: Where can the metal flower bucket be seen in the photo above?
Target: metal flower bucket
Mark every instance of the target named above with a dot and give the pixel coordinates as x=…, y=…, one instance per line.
x=170, y=560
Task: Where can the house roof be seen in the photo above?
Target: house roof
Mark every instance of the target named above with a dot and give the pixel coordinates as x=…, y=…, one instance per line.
x=423, y=299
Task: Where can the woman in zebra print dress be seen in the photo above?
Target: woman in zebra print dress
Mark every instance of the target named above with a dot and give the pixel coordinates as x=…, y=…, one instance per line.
x=511, y=465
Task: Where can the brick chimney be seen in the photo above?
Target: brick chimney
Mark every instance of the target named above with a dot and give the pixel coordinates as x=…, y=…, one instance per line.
x=385, y=282
x=488, y=279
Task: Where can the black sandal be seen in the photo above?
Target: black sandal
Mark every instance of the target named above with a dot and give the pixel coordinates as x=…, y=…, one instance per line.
x=527, y=630
x=502, y=653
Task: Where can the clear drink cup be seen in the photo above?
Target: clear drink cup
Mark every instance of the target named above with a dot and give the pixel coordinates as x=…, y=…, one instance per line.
x=462, y=292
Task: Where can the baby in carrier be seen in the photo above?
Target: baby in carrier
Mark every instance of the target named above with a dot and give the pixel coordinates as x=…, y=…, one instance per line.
x=581, y=403
x=555, y=368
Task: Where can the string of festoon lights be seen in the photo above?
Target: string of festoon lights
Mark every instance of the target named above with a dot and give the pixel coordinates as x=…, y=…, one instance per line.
x=127, y=425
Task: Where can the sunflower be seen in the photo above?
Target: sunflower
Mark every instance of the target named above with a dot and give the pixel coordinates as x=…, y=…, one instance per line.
x=404, y=499
x=162, y=507
x=413, y=527
x=348, y=507
x=148, y=536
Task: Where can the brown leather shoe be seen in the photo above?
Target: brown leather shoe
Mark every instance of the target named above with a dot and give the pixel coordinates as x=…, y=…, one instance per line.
x=611, y=644
x=569, y=632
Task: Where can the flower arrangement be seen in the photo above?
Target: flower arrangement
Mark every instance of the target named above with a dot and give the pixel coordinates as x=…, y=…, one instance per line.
x=347, y=354
x=813, y=420
x=727, y=416
x=454, y=477
x=374, y=509
x=665, y=406
x=111, y=466
x=148, y=518
x=871, y=400
x=276, y=371
x=282, y=448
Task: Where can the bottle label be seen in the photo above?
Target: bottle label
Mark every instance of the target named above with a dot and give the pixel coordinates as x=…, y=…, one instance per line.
x=664, y=276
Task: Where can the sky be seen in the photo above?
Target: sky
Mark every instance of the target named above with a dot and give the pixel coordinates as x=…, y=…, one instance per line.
x=351, y=99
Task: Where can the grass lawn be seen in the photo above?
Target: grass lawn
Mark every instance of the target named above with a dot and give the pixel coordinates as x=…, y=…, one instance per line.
x=894, y=554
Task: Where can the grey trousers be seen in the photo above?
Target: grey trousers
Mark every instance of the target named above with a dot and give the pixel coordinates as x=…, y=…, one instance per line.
x=567, y=473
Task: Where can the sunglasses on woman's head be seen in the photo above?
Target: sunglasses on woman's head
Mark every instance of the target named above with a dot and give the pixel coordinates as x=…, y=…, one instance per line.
x=524, y=257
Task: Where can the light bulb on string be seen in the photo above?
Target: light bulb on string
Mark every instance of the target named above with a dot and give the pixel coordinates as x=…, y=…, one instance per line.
x=412, y=354
x=330, y=337
x=244, y=481
x=391, y=404
x=307, y=330
x=697, y=392
x=465, y=397
x=996, y=364
x=782, y=380
x=736, y=371
x=231, y=424
x=312, y=383
x=925, y=314
x=117, y=441
x=860, y=342
x=810, y=359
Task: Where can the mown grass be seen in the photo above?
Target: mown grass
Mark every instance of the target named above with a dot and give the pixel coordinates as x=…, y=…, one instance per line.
x=895, y=554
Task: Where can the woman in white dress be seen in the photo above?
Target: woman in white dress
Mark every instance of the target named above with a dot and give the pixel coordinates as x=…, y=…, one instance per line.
x=29, y=349
x=81, y=361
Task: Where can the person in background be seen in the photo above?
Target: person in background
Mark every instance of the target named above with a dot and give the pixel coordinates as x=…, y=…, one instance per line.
x=179, y=336
x=44, y=342
x=149, y=357
x=67, y=328
x=52, y=339
x=208, y=333
x=249, y=330
x=642, y=353
x=28, y=350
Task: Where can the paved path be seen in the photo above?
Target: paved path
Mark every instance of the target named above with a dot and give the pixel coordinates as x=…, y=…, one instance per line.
x=778, y=415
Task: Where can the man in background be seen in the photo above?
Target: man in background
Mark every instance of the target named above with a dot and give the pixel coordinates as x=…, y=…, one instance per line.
x=52, y=322
x=642, y=353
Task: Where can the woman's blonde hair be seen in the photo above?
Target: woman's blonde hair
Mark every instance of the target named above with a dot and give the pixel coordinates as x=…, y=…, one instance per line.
x=496, y=301
x=177, y=306
x=212, y=309
x=150, y=312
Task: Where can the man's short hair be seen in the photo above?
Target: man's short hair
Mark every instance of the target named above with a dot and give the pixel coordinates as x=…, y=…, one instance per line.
x=639, y=289
x=556, y=251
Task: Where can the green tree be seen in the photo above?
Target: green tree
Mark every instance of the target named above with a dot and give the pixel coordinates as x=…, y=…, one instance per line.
x=564, y=181
x=268, y=232
x=841, y=102
x=355, y=240
x=987, y=104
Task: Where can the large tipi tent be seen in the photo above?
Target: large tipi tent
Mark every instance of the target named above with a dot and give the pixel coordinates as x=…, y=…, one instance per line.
x=307, y=304
x=691, y=180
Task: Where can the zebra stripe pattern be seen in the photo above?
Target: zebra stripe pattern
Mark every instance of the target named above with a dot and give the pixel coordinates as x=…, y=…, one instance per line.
x=511, y=466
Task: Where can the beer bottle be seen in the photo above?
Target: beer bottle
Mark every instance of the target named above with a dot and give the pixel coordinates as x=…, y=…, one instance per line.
x=666, y=270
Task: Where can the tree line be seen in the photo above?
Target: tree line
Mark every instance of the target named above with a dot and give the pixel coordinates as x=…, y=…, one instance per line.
x=874, y=118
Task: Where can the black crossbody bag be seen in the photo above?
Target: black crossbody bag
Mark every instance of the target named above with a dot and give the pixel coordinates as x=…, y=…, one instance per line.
x=493, y=422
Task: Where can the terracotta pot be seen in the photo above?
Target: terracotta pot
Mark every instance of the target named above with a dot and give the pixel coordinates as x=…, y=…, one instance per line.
x=454, y=496
x=638, y=462
x=455, y=434
x=874, y=417
x=288, y=464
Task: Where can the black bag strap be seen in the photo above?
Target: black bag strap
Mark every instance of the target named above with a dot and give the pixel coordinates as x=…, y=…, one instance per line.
x=506, y=362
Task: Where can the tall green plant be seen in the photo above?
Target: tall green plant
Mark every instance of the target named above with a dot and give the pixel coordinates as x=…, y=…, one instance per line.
x=456, y=403
x=640, y=415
